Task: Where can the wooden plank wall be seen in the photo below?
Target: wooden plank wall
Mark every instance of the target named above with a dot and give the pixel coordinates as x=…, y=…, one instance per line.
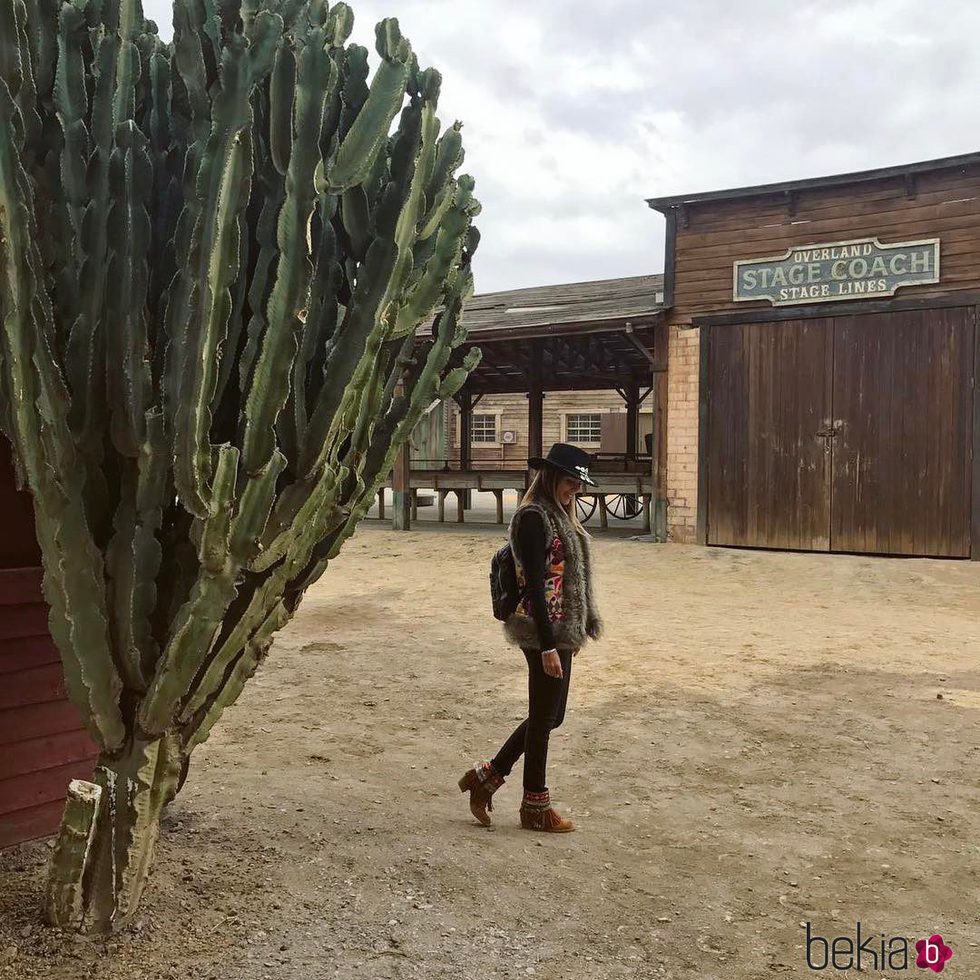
x=513, y=415
x=711, y=235
x=43, y=744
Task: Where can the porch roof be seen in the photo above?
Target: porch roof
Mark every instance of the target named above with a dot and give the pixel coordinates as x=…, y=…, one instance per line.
x=571, y=337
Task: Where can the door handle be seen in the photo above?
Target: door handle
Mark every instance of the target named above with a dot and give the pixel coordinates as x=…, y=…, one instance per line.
x=830, y=431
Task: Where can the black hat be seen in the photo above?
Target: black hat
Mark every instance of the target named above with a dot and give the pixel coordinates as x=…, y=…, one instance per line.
x=568, y=459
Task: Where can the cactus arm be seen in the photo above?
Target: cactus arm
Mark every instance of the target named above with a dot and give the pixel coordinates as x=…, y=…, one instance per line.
x=412, y=154
x=359, y=338
x=129, y=383
x=134, y=555
x=162, y=134
x=42, y=29
x=401, y=420
x=241, y=669
x=141, y=794
x=189, y=60
x=288, y=306
x=355, y=212
x=121, y=563
x=356, y=154
x=16, y=66
x=226, y=400
x=424, y=295
x=253, y=510
x=282, y=90
x=222, y=187
x=320, y=323
x=432, y=222
x=71, y=102
x=449, y=158
x=199, y=619
x=117, y=68
x=193, y=108
x=263, y=603
x=301, y=503
x=353, y=96
x=37, y=416
x=272, y=193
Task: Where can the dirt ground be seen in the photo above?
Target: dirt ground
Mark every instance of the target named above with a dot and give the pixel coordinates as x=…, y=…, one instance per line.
x=760, y=741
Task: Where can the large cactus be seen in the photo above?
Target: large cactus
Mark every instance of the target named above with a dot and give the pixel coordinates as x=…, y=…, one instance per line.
x=215, y=255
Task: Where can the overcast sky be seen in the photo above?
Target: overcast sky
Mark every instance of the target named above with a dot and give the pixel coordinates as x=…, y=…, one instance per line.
x=576, y=112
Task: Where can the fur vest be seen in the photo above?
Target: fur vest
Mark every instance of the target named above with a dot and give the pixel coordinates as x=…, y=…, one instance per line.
x=569, y=593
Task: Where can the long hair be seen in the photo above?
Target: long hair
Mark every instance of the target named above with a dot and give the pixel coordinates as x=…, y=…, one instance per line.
x=545, y=486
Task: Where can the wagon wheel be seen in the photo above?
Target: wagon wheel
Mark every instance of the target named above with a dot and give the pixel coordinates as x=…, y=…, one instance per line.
x=624, y=506
x=585, y=506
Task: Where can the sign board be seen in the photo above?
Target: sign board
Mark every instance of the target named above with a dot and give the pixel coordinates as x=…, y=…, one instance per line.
x=837, y=271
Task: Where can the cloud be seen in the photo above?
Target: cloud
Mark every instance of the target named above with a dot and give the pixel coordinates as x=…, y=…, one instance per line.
x=575, y=112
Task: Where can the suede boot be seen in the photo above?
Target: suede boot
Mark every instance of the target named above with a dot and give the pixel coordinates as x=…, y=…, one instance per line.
x=537, y=813
x=482, y=781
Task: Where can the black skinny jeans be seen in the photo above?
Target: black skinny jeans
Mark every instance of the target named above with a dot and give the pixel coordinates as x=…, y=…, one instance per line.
x=547, y=697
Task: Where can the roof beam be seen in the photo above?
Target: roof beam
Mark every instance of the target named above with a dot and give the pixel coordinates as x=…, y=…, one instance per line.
x=635, y=342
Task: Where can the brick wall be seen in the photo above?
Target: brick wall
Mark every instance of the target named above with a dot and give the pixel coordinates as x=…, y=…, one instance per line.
x=682, y=433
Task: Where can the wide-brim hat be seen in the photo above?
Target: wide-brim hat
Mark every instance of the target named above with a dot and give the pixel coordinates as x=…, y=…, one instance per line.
x=569, y=459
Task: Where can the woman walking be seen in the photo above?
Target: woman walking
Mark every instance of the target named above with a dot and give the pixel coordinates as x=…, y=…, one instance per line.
x=556, y=614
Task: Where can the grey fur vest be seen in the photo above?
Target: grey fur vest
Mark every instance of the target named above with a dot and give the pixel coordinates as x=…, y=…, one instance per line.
x=572, y=605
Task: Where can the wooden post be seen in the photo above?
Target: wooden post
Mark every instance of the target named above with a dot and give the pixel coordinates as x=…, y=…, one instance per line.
x=401, y=481
x=442, y=506
x=603, y=513
x=535, y=407
x=415, y=503
x=465, y=401
x=646, y=513
x=499, y=494
x=659, y=461
x=535, y=422
x=460, y=506
x=381, y=504
x=632, y=419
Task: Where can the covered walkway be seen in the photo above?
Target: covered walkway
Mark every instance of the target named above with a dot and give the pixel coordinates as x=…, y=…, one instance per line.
x=605, y=335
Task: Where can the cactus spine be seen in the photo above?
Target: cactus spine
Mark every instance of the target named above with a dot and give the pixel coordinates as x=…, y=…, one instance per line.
x=214, y=257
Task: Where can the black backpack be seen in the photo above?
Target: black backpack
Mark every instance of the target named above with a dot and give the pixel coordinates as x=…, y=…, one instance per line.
x=505, y=595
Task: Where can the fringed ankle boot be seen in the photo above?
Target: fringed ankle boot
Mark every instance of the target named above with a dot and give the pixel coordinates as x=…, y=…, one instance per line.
x=482, y=781
x=537, y=813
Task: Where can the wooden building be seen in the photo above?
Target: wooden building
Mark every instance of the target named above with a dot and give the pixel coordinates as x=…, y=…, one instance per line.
x=578, y=361
x=823, y=359
x=43, y=744
x=594, y=419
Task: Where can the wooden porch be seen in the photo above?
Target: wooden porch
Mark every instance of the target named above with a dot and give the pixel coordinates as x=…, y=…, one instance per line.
x=445, y=482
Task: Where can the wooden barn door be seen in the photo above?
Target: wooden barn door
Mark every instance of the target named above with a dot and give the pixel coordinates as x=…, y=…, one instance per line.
x=903, y=400
x=768, y=465
x=846, y=434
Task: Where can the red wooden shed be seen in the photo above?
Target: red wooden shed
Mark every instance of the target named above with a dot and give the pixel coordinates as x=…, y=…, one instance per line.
x=43, y=744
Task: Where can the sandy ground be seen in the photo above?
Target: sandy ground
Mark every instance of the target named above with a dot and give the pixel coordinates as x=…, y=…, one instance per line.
x=762, y=740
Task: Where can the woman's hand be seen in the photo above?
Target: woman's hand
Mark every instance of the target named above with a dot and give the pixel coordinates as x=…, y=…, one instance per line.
x=551, y=663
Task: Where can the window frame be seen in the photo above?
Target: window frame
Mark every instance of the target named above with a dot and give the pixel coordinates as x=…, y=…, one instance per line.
x=566, y=437
x=497, y=413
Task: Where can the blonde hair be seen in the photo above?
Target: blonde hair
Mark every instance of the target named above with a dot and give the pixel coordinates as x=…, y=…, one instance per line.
x=545, y=486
